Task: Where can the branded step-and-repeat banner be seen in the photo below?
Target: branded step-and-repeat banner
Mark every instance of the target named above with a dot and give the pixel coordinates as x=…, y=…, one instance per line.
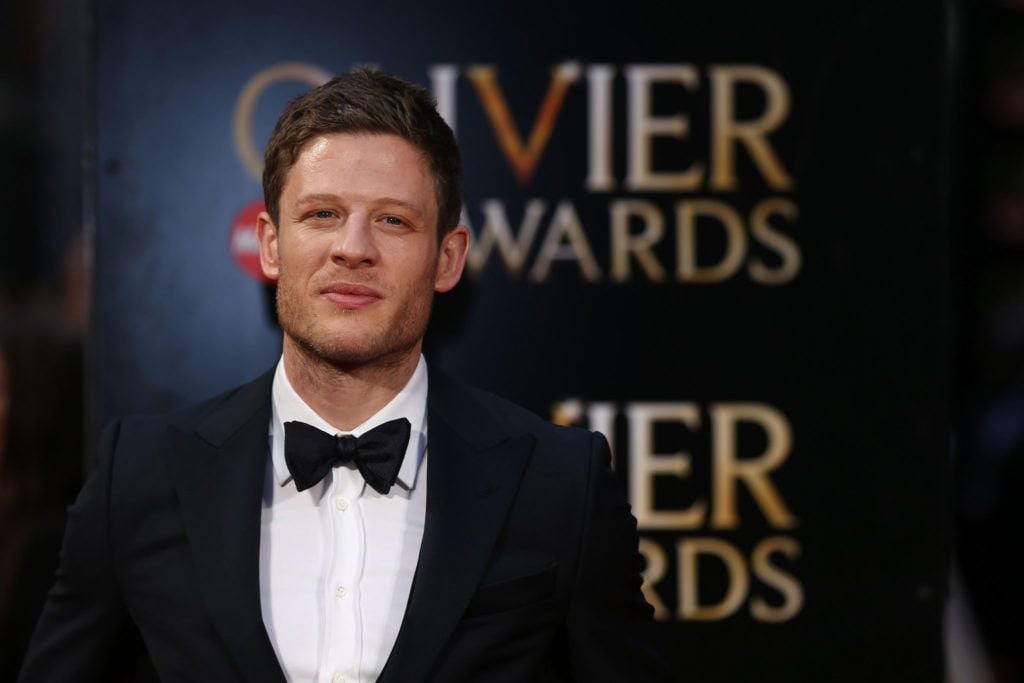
x=713, y=231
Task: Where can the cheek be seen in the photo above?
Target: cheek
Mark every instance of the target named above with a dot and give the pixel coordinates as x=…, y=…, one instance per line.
x=299, y=260
x=427, y=276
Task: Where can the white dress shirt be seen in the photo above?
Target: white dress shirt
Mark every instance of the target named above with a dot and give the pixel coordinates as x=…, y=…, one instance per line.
x=337, y=560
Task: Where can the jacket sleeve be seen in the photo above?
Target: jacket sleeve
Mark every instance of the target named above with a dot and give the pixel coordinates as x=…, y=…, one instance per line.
x=84, y=622
x=610, y=628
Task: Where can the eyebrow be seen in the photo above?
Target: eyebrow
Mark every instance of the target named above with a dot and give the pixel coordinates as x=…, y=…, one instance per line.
x=328, y=197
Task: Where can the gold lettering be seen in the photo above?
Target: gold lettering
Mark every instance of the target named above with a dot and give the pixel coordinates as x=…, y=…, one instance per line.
x=443, y=80
x=653, y=573
x=752, y=134
x=690, y=608
x=496, y=232
x=728, y=468
x=601, y=418
x=624, y=243
x=645, y=465
x=599, y=128
x=765, y=233
x=522, y=158
x=687, y=213
x=643, y=127
x=241, y=121
x=791, y=590
x=565, y=224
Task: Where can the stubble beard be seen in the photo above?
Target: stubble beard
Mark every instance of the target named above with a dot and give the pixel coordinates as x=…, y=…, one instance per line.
x=381, y=348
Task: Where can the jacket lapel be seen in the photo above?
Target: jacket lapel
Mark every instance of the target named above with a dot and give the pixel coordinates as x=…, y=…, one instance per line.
x=474, y=470
x=219, y=465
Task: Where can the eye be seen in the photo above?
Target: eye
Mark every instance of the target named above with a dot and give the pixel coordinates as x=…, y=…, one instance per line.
x=393, y=220
x=323, y=213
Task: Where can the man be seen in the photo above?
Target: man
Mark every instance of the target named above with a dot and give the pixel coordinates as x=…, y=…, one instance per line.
x=394, y=525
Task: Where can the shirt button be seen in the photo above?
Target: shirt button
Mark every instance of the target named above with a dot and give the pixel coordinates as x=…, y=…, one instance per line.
x=337, y=678
x=340, y=504
x=340, y=592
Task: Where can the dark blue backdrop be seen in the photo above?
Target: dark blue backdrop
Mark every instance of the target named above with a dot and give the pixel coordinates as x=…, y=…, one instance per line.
x=848, y=351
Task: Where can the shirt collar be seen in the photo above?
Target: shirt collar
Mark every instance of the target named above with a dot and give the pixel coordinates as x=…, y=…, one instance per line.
x=410, y=403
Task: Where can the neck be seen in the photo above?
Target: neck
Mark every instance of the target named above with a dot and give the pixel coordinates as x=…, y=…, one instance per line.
x=346, y=396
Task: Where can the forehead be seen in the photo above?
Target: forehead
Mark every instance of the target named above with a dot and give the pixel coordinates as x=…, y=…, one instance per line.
x=361, y=164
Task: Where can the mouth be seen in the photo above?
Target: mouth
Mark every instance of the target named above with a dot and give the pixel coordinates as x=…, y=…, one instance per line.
x=350, y=297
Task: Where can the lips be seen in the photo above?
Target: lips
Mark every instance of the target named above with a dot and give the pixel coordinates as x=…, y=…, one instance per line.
x=350, y=296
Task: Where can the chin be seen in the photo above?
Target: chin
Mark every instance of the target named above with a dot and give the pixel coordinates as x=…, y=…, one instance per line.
x=349, y=351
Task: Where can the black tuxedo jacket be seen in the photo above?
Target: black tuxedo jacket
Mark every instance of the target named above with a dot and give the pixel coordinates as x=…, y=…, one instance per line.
x=528, y=569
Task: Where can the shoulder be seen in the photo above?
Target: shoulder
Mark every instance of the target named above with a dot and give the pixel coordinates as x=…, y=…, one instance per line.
x=482, y=416
x=138, y=455
x=217, y=416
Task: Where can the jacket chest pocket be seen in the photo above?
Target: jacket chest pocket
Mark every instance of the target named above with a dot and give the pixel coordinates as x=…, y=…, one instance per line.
x=514, y=593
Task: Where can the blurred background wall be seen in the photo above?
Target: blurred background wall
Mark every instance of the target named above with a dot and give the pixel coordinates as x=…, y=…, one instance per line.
x=988, y=452
x=770, y=235
x=45, y=104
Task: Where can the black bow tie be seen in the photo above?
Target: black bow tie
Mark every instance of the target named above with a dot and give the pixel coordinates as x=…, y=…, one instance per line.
x=311, y=453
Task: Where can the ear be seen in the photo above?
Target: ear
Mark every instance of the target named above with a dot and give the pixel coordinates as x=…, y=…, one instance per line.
x=266, y=233
x=451, y=259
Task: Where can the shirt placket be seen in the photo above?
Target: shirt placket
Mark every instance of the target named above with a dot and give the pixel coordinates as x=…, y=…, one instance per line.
x=343, y=651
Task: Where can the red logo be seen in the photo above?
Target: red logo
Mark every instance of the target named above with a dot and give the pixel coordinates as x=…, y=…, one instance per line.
x=245, y=247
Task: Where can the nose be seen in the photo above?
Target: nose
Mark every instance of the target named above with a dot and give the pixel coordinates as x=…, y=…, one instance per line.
x=353, y=244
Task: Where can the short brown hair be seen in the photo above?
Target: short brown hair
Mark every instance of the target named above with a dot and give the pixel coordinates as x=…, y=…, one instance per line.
x=367, y=100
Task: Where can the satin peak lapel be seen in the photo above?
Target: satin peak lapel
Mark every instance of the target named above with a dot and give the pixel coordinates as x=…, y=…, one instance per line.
x=219, y=467
x=472, y=478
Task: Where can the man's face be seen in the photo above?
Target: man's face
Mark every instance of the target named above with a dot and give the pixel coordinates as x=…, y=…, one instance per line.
x=355, y=254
